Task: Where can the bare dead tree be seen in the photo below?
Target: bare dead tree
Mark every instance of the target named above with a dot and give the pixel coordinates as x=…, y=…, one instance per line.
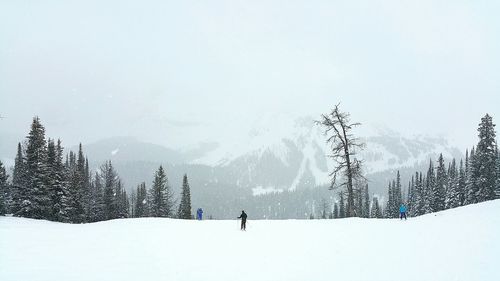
x=344, y=147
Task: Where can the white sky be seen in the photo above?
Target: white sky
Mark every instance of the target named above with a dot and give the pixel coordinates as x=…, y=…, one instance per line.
x=175, y=72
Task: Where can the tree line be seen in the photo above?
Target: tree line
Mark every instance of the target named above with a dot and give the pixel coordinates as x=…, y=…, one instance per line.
x=46, y=184
x=444, y=186
x=471, y=180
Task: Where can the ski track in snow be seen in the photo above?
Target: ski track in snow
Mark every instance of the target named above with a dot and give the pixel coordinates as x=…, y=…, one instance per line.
x=458, y=244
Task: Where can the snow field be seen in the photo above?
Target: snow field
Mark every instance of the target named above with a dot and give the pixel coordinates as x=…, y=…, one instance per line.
x=457, y=244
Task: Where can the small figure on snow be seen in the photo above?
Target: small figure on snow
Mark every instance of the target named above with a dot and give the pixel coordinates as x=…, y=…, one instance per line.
x=199, y=214
x=402, y=211
x=243, y=218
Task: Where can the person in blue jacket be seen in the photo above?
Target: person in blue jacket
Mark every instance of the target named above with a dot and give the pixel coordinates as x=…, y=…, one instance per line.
x=199, y=214
x=402, y=211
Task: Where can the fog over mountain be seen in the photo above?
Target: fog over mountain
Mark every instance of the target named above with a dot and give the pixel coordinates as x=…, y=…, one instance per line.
x=181, y=73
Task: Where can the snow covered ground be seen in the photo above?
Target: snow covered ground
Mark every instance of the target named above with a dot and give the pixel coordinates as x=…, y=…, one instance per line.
x=458, y=244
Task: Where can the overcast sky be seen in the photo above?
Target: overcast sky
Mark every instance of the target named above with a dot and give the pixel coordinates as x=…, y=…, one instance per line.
x=172, y=72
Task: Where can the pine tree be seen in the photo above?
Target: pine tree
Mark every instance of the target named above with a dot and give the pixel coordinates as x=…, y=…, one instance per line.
x=96, y=200
x=87, y=191
x=417, y=205
x=120, y=201
x=358, y=200
x=398, y=196
x=336, y=211
x=485, y=164
x=185, y=205
x=56, y=178
x=161, y=195
x=411, y=196
x=439, y=187
x=376, y=211
x=394, y=199
x=389, y=204
x=76, y=199
x=453, y=191
x=324, y=209
x=109, y=179
x=366, y=203
x=51, y=163
x=428, y=194
x=461, y=183
x=18, y=188
x=4, y=190
x=342, y=213
x=81, y=188
x=471, y=187
x=38, y=203
x=67, y=197
x=141, y=203
x=497, y=192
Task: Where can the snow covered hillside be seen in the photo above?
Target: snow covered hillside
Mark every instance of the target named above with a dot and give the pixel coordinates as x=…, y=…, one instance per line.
x=458, y=244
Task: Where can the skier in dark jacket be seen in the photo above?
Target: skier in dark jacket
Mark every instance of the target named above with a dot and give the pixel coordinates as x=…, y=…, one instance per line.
x=243, y=218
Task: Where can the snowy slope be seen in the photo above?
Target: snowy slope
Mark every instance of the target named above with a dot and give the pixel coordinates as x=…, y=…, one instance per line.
x=458, y=244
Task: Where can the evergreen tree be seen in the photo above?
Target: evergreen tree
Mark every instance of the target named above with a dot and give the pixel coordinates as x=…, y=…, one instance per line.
x=161, y=195
x=439, y=187
x=342, y=213
x=394, y=199
x=81, y=188
x=109, y=179
x=390, y=199
x=336, y=211
x=453, y=188
x=398, y=196
x=358, y=200
x=324, y=211
x=418, y=204
x=38, y=203
x=141, y=203
x=56, y=179
x=411, y=196
x=185, y=205
x=462, y=177
x=471, y=186
x=120, y=201
x=67, y=212
x=4, y=190
x=87, y=191
x=75, y=202
x=429, y=186
x=96, y=200
x=366, y=203
x=132, y=204
x=485, y=164
x=376, y=211
x=497, y=192
x=18, y=189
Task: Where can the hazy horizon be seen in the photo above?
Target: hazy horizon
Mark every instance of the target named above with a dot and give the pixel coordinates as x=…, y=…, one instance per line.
x=177, y=73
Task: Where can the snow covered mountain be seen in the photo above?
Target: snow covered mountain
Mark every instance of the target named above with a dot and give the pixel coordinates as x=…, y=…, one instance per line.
x=286, y=153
